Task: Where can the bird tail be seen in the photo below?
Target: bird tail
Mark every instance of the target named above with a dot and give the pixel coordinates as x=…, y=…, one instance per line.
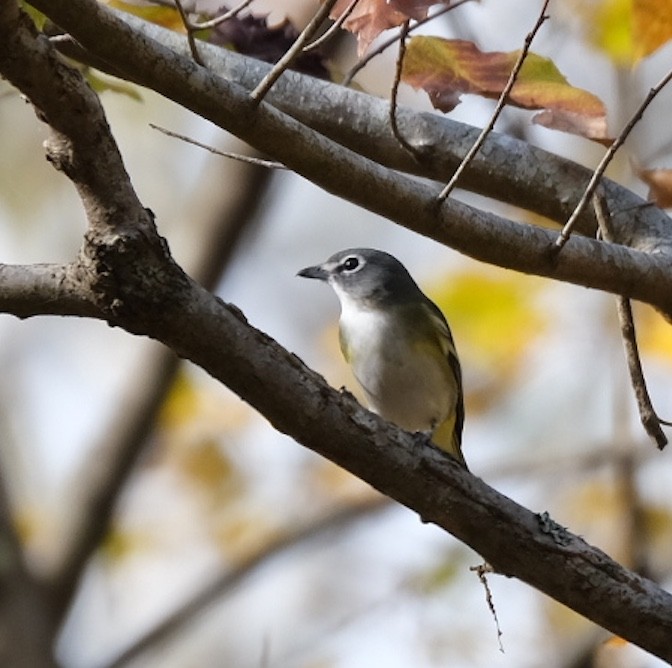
x=446, y=438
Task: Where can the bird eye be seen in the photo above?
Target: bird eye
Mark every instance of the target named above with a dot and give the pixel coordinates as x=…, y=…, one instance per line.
x=350, y=263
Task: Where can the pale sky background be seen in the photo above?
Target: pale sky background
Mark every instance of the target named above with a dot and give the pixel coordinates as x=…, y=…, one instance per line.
x=349, y=600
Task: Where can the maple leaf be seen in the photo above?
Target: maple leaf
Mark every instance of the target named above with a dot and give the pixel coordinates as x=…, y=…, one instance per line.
x=660, y=185
x=371, y=17
x=447, y=69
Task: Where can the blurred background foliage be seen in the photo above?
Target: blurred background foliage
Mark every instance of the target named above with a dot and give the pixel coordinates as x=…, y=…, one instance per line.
x=287, y=560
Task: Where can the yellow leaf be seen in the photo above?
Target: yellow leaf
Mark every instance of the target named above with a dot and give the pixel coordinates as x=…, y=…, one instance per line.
x=119, y=543
x=652, y=26
x=654, y=333
x=168, y=17
x=206, y=464
x=612, y=29
x=182, y=403
x=496, y=313
x=101, y=83
x=628, y=30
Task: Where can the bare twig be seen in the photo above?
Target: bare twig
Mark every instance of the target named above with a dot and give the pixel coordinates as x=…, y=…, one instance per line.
x=650, y=421
x=171, y=3
x=500, y=105
x=325, y=162
x=258, y=94
x=363, y=62
x=190, y=33
x=270, y=164
x=395, y=89
x=588, y=193
x=481, y=570
x=333, y=29
x=212, y=23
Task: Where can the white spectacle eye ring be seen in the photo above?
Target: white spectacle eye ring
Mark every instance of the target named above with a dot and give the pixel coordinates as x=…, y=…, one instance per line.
x=350, y=264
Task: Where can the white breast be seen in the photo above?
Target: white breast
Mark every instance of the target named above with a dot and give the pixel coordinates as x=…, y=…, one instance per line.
x=401, y=382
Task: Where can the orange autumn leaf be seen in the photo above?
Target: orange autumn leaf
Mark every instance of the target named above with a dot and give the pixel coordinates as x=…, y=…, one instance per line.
x=448, y=68
x=628, y=30
x=371, y=17
x=660, y=185
x=651, y=25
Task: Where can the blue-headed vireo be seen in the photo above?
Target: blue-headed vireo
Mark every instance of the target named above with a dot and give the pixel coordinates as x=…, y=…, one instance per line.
x=398, y=344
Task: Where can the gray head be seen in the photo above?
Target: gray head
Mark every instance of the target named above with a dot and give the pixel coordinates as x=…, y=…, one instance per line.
x=367, y=275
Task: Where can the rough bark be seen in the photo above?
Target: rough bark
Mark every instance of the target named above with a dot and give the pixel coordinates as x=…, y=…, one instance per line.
x=125, y=275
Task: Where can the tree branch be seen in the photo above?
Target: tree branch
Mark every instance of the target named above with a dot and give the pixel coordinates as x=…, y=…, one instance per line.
x=143, y=291
x=514, y=540
x=541, y=182
x=44, y=289
x=28, y=628
x=481, y=235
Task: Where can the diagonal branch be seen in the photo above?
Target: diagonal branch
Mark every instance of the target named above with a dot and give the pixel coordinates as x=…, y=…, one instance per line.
x=594, y=182
x=650, y=420
x=542, y=182
x=260, y=91
x=171, y=308
x=517, y=542
x=483, y=236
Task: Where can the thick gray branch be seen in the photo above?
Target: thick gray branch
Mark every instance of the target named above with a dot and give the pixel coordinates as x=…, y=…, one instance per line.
x=44, y=289
x=481, y=235
x=506, y=169
x=514, y=540
x=143, y=291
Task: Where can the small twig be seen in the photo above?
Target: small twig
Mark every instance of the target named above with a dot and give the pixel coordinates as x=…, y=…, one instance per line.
x=333, y=28
x=481, y=571
x=499, y=108
x=363, y=62
x=190, y=33
x=395, y=90
x=171, y=3
x=271, y=164
x=258, y=94
x=212, y=23
x=650, y=421
x=588, y=193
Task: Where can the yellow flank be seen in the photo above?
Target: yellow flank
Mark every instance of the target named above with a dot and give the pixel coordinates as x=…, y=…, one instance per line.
x=444, y=438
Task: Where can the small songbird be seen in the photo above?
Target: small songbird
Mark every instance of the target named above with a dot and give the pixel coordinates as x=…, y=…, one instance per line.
x=398, y=344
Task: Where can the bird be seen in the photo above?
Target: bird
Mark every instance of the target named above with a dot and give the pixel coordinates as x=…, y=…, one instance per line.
x=398, y=344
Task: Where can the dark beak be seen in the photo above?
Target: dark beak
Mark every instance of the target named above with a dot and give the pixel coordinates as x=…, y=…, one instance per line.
x=314, y=272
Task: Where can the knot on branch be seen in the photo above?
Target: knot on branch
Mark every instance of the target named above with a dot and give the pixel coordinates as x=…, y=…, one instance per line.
x=132, y=276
